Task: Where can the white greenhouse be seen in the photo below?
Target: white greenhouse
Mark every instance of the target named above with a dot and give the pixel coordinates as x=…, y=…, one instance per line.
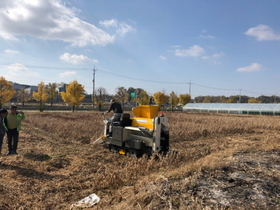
x=248, y=108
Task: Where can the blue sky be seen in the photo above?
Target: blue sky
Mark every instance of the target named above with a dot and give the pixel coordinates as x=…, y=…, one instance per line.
x=217, y=47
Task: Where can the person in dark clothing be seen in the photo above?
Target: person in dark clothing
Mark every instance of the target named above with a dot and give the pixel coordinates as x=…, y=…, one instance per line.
x=3, y=129
x=117, y=109
x=13, y=124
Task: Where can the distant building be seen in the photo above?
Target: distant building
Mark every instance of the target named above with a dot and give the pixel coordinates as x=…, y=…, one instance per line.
x=62, y=87
x=30, y=89
x=17, y=86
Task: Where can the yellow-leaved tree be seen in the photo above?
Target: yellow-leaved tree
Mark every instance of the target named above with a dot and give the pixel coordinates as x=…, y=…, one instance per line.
x=6, y=91
x=74, y=94
x=207, y=100
x=173, y=99
x=41, y=95
x=184, y=99
x=143, y=98
x=23, y=95
x=230, y=100
x=254, y=100
x=160, y=98
x=53, y=93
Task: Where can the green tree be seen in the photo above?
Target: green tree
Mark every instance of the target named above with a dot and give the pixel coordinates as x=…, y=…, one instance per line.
x=74, y=94
x=6, y=91
x=100, y=97
x=160, y=98
x=184, y=99
x=129, y=91
x=266, y=99
x=173, y=100
x=121, y=95
x=53, y=93
x=41, y=95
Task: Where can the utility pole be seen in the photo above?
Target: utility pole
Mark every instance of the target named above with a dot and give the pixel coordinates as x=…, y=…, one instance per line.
x=190, y=87
x=93, y=87
x=240, y=95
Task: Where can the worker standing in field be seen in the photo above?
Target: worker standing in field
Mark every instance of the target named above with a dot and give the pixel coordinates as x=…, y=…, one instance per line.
x=3, y=129
x=117, y=109
x=13, y=124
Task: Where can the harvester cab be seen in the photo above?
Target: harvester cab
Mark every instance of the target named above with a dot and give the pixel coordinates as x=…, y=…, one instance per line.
x=145, y=133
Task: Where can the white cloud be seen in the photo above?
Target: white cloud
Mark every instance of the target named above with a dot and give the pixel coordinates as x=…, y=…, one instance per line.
x=253, y=67
x=94, y=60
x=162, y=57
x=76, y=59
x=176, y=46
x=121, y=28
x=11, y=51
x=217, y=55
x=193, y=51
x=109, y=23
x=262, y=32
x=205, y=35
x=17, y=71
x=49, y=20
x=206, y=57
x=216, y=62
x=67, y=73
x=213, y=58
x=124, y=28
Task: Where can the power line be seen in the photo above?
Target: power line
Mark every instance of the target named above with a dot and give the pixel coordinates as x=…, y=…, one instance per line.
x=213, y=87
x=128, y=77
x=139, y=79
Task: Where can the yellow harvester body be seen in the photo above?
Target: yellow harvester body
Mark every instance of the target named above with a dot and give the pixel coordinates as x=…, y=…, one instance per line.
x=144, y=116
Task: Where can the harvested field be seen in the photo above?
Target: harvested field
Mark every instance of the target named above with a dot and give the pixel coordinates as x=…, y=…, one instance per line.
x=223, y=162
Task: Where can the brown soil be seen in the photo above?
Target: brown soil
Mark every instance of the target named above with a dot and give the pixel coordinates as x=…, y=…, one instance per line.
x=221, y=162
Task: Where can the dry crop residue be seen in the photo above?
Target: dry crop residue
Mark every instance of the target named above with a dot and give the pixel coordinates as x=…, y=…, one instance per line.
x=222, y=162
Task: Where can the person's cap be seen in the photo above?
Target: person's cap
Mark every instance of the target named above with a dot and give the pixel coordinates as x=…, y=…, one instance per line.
x=3, y=111
x=13, y=107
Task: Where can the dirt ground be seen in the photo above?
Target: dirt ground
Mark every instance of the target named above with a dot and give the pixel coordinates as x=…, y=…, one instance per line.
x=221, y=162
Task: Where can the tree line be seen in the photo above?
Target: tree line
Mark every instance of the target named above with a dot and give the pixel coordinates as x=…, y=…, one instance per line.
x=237, y=99
x=75, y=94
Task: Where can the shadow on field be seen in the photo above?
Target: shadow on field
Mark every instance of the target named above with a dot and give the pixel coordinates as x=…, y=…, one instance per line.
x=56, y=162
x=27, y=172
x=37, y=157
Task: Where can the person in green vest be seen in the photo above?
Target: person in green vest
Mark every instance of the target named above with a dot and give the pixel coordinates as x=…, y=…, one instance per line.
x=13, y=124
x=3, y=129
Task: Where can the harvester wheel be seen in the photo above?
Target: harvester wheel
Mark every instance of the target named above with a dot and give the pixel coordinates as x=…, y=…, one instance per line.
x=113, y=148
x=134, y=153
